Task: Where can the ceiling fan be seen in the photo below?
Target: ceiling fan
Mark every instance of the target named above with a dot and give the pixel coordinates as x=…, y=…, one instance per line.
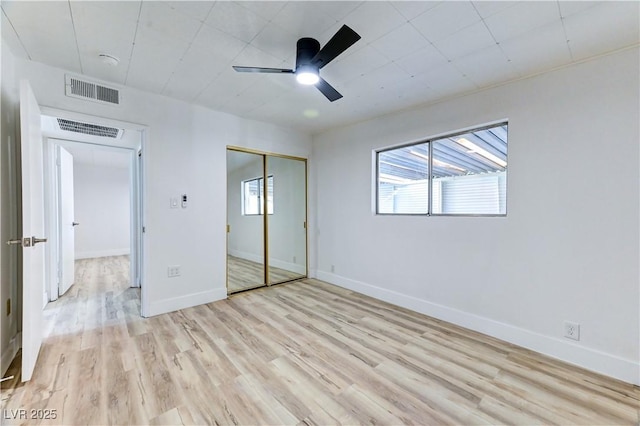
x=310, y=58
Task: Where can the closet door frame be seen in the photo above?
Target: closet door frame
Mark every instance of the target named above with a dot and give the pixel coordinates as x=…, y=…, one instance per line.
x=265, y=155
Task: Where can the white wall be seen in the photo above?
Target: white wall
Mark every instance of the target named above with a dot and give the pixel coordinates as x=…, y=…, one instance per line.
x=569, y=247
x=9, y=324
x=102, y=207
x=184, y=153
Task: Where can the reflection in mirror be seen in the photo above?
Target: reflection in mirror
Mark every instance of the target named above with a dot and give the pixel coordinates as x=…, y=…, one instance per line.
x=245, y=233
x=287, y=235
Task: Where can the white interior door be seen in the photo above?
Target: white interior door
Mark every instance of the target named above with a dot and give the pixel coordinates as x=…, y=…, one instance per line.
x=67, y=221
x=33, y=253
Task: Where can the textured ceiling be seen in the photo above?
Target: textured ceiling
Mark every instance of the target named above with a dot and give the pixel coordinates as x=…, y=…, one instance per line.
x=411, y=52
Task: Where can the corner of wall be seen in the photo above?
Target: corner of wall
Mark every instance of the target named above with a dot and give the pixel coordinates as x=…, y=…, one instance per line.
x=186, y=301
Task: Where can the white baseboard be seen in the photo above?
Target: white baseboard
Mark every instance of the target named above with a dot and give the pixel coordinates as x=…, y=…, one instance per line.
x=10, y=352
x=103, y=253
x=591, y=359
x=176, y=303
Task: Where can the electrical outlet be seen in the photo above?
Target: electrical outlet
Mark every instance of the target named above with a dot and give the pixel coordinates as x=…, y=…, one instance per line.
x=333, y=268
x=173, y=271
x=294, y=259
x=572, y=330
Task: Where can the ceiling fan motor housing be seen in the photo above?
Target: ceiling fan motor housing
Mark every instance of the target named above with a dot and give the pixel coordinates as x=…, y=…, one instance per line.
x=306, y=49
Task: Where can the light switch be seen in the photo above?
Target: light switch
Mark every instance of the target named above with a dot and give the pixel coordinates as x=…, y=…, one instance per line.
x=173, y=202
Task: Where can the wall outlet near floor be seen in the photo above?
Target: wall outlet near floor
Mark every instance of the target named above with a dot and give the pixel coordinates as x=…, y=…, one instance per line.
x=333, y=268
x=173, y=271
x=572, y=330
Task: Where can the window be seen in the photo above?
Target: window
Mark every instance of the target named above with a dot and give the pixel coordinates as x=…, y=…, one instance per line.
x=252, y=193
x=460, y=174
x=403, y=180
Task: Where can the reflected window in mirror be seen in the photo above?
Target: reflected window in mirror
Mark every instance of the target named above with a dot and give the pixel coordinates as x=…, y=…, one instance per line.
x=252, y=196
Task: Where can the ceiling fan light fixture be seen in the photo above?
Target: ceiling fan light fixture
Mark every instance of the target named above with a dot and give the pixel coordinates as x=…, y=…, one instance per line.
x=310, y=58
x=308, y=75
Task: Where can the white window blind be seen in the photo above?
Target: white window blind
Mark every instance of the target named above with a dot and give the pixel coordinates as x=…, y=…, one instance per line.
x=472, y=194
x=412, y=198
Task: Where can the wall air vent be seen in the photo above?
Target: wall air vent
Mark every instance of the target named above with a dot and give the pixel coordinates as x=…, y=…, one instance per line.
x=77, y=88
x=89, y=129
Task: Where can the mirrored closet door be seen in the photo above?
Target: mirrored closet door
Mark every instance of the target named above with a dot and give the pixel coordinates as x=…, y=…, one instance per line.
x=287, y=242
x=265, y=249
x=245, y=221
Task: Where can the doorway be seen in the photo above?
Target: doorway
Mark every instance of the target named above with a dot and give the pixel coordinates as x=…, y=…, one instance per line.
x=266, y=219
x=94, y=206
x=107, y=217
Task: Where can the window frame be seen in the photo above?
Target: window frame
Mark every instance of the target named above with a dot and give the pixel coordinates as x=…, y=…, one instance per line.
x=260, y=183
x=429, y=141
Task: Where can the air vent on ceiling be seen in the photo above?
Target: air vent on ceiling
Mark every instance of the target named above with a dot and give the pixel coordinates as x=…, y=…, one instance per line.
x=89, y=129
x=82, y=89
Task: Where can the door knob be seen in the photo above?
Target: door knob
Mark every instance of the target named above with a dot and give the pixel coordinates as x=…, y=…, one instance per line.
x=35, y=240
x=24, y=242
x=74, y=224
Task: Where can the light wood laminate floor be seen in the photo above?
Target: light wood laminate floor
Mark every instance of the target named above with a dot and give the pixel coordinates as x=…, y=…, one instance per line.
x=297, y=354
x=244, y=274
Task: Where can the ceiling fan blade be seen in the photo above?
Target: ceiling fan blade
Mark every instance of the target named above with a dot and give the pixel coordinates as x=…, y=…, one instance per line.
x=263, y=70
x=341, y=41
x=328, y=90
